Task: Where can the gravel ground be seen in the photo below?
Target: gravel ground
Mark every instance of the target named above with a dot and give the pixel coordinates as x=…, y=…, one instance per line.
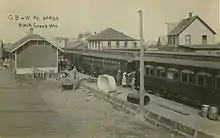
x=93, y=118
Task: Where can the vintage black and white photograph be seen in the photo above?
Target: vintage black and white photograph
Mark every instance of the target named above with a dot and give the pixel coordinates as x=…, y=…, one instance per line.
x=110, y=69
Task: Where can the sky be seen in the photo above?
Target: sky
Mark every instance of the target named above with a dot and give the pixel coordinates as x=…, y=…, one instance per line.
x=77, y=16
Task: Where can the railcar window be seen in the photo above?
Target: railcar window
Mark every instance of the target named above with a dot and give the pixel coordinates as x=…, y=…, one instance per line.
x=217, y=82
x=172, y=75
x=160, y=73
x=209, y=81
x=191, y=78
x=201, y=80
x=149, y=71
x=184, y=77
x=204, y=79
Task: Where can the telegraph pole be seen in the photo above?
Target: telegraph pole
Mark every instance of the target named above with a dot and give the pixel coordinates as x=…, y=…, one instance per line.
x=141, y=63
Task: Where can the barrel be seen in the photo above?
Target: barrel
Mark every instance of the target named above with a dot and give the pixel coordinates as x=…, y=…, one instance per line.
x=213, y=113
x=204, y=110
x=135, y=98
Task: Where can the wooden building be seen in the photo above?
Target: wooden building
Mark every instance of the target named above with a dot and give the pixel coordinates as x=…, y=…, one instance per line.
x=34, y=52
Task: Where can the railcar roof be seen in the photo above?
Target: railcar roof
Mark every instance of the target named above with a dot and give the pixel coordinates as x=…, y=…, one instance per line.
x=184, y=62
x=129, y=59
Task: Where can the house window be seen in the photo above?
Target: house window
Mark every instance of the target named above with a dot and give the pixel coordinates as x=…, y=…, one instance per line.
x=125, y=43
x=117, y=43
x=188, y=39
x=109, y=43
x=135, y=44
x=204, y=39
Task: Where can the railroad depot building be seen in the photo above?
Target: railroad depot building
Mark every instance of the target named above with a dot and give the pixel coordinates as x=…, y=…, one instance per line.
x=33, y=52
x=112, y=39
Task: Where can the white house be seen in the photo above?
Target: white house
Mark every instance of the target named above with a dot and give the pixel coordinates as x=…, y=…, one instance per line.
x=111, y=39
x=191, y=31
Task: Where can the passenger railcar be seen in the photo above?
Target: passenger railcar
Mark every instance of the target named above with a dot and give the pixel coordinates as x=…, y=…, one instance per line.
x=192, y=79
x=189, y=78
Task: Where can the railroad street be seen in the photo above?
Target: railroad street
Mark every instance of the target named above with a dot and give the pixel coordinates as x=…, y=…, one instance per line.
x=44, y=111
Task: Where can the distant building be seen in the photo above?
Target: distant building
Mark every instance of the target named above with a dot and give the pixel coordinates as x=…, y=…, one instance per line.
x=191, y=31
x=111, y=39
x=60, y=41
x=33, y=51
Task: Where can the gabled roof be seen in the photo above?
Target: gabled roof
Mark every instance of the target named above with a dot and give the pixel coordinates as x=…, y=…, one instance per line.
x=183, y=24
x=111, y=34
x=27, y=38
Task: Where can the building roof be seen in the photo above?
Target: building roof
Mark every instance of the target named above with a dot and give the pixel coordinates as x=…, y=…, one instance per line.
x=201, y=47
x=61, y=38
x=27, y=38
x=184, y=23
x=111, y=34
x=76, y=44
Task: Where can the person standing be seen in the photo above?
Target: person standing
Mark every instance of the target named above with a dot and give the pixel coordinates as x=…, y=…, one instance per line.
x=118, y=78
x=124, y=79
x=132, y=83
x=137, y=79
x=74, y=72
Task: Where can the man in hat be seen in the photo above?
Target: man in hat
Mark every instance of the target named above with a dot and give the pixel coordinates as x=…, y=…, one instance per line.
x=118, y=78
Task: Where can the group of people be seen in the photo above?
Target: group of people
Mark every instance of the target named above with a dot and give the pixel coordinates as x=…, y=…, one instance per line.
x=127, y=79
x=66, y=74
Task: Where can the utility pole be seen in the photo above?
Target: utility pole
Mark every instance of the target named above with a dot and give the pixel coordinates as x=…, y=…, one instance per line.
x=142, y=111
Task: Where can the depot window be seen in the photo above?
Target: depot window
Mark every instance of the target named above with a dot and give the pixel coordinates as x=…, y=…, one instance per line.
x=117, y=44
x=125, y=44
x=109, y=43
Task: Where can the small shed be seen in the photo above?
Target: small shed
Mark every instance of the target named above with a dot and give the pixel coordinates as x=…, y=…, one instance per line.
x=34, y=52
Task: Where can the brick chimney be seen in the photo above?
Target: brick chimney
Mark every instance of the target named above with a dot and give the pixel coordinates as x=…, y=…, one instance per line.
x=31, y=31
x=190, y=15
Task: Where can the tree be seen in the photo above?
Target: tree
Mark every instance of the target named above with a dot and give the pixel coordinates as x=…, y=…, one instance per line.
x=158, y=42
x=87, y=34
x=80, y=35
